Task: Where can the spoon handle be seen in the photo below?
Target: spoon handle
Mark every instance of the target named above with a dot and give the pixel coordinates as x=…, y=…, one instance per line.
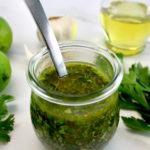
x=44, y=26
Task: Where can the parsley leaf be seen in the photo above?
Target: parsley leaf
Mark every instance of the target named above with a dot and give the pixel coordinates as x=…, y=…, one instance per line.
x=120, y=56
x=132, y=88
x=142, y=74
x=134, y=94
x=6, y=120
x=136, y=124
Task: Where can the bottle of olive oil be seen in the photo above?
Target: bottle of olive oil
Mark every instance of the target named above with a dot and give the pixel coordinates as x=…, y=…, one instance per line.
x=127, y=26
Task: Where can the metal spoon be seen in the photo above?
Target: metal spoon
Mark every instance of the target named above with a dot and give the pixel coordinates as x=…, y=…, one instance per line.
x=49, y=38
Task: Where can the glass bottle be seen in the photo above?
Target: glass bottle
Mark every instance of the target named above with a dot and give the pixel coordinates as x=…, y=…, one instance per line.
x=126, y=24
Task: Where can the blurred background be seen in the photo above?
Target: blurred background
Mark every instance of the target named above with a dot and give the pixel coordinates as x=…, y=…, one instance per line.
x=85, y=11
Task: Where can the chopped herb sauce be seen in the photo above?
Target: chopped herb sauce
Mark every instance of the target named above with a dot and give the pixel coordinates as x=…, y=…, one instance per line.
x=81, y=79
x=62, y=127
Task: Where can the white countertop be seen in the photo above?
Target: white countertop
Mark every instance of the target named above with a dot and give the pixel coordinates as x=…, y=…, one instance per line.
x=24, y=31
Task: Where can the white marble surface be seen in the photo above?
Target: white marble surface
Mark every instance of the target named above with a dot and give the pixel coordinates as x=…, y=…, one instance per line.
x=16, y=13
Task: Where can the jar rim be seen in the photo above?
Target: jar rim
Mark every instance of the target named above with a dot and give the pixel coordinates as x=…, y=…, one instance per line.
x=105, y=92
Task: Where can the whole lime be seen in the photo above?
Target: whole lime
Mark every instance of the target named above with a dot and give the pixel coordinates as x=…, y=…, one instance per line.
x=5, y=71
x=5, y=35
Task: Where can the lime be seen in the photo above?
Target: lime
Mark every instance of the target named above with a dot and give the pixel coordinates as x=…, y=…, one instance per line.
x=5, y=71
x=5, y=35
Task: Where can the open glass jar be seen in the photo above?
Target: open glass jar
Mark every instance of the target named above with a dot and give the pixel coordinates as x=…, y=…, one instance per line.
x=75, y=122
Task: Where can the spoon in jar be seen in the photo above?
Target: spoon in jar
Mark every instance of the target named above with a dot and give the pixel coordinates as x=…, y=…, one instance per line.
x=47, y=33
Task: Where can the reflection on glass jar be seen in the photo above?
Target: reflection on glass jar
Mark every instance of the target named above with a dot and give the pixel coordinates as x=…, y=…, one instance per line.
x=80, y=116
x=126, y=24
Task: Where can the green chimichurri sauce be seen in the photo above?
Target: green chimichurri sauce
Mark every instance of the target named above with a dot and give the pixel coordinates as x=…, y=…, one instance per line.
x=74, y=127
x=81, y=79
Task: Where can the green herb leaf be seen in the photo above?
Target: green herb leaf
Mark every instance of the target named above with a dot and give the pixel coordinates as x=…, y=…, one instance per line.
x=6, y=120
x=142, y=73
x=126, y=103
x=135, y=92
x=135, y=95
x=145, y=115
x=136, y=124
x=120, y=56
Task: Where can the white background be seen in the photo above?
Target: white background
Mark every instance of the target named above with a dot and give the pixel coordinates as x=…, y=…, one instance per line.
x=24, y=31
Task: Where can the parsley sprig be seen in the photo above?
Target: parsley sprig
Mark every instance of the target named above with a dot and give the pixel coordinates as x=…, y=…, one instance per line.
x=6, y=119
x=135, y=95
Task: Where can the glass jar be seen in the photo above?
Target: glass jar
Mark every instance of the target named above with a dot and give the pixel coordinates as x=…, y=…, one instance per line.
x=126, y=24
x=75, y=122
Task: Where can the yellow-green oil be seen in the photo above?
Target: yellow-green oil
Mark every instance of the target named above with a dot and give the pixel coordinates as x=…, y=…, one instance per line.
x=127, y=26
